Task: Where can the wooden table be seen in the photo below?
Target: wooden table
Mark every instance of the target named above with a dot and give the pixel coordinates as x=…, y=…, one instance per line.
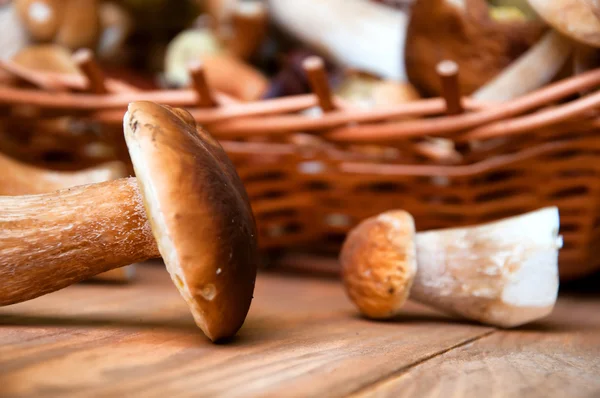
x=302, y=338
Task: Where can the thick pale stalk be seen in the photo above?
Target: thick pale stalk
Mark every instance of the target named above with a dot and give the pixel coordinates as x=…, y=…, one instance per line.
x=529, y=72
x=356, y=33
x=503, y=273
x=51, y=241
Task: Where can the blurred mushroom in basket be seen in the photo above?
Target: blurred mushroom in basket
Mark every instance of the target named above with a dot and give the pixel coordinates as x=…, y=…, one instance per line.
x=577, y=20
x=223, y=53
x=483, y=40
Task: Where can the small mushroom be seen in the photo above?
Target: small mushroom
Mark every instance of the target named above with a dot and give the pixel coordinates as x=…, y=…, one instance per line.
x=48, y=58
x=358, y=34
x=116, y=26
x=573, y=18
x=13, y=36
x=248, y=28
x=577, y=20
x=187, y=205
x=464, y=31
x=219, y=65
x=80, y=24
x=71, y=23
x=41, y=18
x=503, y=273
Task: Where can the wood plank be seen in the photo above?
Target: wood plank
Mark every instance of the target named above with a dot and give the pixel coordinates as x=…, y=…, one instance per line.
x=302, y=338
x=557, y=357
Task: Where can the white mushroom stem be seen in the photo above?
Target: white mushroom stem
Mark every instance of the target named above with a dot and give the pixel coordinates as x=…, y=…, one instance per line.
x=532, y=70
x=356, y=33
x=503, y=273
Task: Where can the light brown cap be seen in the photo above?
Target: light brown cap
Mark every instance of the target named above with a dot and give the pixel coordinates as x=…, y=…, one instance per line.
x=199, y=212
x=379, y=263
x=41, y=18
x=573, y=18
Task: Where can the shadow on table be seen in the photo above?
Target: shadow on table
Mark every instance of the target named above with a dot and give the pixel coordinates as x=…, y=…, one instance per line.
x=254, y=330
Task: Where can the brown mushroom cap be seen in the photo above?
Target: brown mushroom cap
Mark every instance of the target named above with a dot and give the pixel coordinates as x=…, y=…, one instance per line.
x=574, y=18
x=47, y=57
x=379, y=263
x=41, y=18
x=199, y=212
x=481, y=46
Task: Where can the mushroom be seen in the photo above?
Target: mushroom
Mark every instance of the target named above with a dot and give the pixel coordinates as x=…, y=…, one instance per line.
x=80, y=24
x=573, y=18
x=41, y=18
x=219, y=64
x=464, y=31
x=71, y=23
x=187, y=205
x=358, y=34
x=248, y=28
x=577, y=20
x=502, y=273
x=48, y=58
x=116, y=26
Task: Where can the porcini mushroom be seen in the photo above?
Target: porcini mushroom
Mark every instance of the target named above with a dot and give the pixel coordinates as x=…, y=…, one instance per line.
x=358, y=34
x=573, y=18
x=187, y=205
x=41, y=18
x=80, y=24
x=48, y=58
x=466, y=32
x=196, y=45
x=502, y=273
x=577, y=20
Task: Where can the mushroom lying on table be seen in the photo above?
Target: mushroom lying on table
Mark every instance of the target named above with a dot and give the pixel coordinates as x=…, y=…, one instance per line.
x=187, y=205
x=503, y=273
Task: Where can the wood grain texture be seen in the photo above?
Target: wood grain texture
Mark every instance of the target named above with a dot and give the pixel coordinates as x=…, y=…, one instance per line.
x=558, y=357
x=302, y=338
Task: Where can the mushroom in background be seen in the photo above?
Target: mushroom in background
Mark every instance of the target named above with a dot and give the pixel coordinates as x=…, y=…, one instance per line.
x=359, y=34
x=116, y=26
x=46, y=57
x=221, y=58
x=577, y=20
x=468, y=32
x=71, y=23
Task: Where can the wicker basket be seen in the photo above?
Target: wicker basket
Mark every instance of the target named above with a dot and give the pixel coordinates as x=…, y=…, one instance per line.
x=314, y=175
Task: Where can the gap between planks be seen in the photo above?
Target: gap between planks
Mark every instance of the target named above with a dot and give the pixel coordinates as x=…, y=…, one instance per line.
x=404, y=370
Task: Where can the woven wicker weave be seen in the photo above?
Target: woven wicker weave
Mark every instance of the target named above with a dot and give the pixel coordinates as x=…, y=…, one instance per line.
x=312, y=176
